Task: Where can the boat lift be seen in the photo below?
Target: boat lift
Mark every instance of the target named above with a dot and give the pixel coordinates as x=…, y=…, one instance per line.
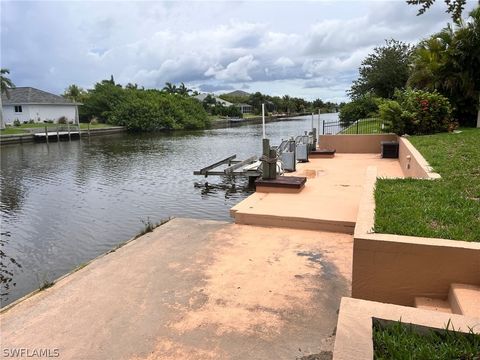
x=274, y=161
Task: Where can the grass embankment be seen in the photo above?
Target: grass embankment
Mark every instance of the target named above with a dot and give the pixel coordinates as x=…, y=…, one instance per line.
x=365, y=126
x=24, y=128
x=445, y=208
x=401, y=341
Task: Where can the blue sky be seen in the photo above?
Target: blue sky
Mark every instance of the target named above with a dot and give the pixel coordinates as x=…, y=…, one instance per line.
x=307, y=49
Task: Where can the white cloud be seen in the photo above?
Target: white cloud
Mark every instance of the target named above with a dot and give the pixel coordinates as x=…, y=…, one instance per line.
x=237, y=70
x=284, y=62
x=307, y=47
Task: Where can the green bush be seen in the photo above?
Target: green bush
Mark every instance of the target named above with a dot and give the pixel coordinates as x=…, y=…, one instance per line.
x=417, y=112
x=360, y=108
x=153, y=110
x=16, y=122
x=426, y=112
x=391, y=114
x=62, y=120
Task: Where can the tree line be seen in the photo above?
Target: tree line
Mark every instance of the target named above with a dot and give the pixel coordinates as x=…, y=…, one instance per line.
x=174, y=106
x=431, y=87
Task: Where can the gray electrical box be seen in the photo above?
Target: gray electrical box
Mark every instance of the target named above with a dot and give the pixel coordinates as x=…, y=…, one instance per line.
x=288, y=161
x=302, y=152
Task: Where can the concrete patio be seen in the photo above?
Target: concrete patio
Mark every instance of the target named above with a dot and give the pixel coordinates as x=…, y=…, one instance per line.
x=329, y=201
x=194, y=289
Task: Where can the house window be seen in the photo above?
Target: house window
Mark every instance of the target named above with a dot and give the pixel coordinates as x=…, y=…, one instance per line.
x=18, y=108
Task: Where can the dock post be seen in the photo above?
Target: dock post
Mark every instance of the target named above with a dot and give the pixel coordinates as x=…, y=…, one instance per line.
x=46, y=133
x=58, y=135
x=318, y=127
x=88, y=130
x=314, y=135
x=68, y=129
x=269, y=166
x=79, y=131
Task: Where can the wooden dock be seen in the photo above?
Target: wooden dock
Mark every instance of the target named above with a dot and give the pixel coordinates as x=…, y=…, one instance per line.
x=56, y=136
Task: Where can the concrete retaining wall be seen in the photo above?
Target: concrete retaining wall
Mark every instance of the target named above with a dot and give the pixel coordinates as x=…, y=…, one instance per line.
x=353, y=340
x=396, y=268
x=362, y=144
x=26, y=138
x=412, y=162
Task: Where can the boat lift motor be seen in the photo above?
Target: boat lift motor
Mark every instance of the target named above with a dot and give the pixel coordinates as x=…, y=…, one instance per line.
x=286, y=154
x=302, y=147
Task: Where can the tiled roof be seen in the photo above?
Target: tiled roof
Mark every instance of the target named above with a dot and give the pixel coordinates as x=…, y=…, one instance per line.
x=29, y=95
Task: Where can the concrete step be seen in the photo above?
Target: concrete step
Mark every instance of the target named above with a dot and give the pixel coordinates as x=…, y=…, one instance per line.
x=427, y=303
x=465, y=299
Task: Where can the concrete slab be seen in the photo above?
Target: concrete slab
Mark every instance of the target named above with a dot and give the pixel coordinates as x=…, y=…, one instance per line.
x=329, y=201
x=194, y=289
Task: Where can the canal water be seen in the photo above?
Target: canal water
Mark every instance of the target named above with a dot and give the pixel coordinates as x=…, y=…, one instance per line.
x=63, y=204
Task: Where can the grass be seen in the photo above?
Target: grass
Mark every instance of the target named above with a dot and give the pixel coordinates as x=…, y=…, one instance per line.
x=396, y=340
x=445, y=208
x=12, y=131
x=42, y=125
x=365, y=126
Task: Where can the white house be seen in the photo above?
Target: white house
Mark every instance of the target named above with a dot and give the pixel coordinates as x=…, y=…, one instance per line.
x=27, y=103
x=245, y=108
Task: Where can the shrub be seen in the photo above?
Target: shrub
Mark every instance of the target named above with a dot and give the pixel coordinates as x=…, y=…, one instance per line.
x=94, y=121
x=152, y=110
x=391, y=113
x=363, y=107
x=16, y=122
x=426, y=112
x=417, y=112
x=62, y=120
x=31, y=121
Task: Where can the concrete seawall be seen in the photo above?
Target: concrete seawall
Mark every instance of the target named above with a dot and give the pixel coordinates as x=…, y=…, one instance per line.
x=26, y=138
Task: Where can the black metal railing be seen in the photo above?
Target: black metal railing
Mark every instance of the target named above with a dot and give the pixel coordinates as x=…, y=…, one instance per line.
x=362, y=126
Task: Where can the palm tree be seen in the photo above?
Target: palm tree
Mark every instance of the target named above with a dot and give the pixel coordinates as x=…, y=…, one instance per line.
x=73, y=92
x=183, y=90
x=5, y=84
x=170, y=88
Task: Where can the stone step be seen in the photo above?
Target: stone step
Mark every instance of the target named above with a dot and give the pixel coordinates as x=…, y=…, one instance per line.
x=465, y=299
x=427, y=303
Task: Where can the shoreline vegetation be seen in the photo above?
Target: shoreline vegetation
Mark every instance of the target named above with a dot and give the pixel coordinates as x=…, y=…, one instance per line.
x=177, y=107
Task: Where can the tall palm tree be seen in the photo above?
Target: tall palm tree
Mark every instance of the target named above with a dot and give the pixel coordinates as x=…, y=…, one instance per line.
x=170, y=88
x=5, y=84
x=183, y=90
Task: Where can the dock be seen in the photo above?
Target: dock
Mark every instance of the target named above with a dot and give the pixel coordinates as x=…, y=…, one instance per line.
x=56, y=136
x=194, y=289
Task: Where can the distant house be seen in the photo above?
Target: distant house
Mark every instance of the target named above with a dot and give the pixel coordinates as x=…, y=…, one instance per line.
x=26, y=103
x=238, y=93
x=201, y=97
x=245, y=108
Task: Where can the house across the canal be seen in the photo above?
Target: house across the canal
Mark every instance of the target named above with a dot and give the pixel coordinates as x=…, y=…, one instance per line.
x=29, y=104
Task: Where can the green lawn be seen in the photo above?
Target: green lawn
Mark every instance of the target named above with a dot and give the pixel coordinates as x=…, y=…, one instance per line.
x=23, y=128
x=445, y=208
x=12, y=131
x=365, y=126
x=399, y=341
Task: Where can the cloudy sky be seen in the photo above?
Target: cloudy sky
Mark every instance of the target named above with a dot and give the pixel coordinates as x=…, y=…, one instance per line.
x=308, y=49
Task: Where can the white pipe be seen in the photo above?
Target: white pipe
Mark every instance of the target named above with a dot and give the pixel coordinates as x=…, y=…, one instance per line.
x=263, y=120
x=318, y=124
x=312, y=121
